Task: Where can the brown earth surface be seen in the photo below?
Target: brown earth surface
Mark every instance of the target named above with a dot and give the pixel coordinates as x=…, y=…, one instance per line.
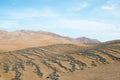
x=62, y=62
x=104, y=72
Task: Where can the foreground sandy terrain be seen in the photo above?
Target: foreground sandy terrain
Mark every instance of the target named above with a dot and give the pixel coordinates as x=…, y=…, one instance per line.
x=104, y=72
x=62, y=62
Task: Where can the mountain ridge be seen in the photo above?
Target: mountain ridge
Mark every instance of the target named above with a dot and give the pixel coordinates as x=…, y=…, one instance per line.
x=29, y=32
x=28, y=38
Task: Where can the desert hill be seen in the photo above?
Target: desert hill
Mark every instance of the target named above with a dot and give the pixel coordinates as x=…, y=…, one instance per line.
x=53, y=62
x=104, y=72
x=86, y=40
x=26, y=38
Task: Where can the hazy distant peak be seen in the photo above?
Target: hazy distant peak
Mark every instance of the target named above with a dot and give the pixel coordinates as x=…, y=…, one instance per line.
x=87, y=40
x=49, y=33
x=2, y=31
x=24, y=30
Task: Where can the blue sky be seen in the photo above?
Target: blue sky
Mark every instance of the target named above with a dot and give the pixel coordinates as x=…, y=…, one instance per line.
x=99, y=19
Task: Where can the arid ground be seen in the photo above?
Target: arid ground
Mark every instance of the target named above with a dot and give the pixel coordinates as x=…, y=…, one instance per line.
x=28, y=55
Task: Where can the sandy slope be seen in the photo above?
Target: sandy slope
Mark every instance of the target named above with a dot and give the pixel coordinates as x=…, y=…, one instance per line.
x=104, y=72
x=24, y=38
x=66, y=60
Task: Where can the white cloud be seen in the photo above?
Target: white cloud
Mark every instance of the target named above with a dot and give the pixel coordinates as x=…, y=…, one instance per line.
x=31, y=13
x=112, y=10
x=57, y=21
x=76, y=28
x=107, y=7
x=8, y=24
x=78, y=6
x=89, y=28
x=78, y=24
x=111, y=5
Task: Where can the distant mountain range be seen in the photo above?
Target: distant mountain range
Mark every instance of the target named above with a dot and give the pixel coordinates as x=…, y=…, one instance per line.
x=27, y=38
